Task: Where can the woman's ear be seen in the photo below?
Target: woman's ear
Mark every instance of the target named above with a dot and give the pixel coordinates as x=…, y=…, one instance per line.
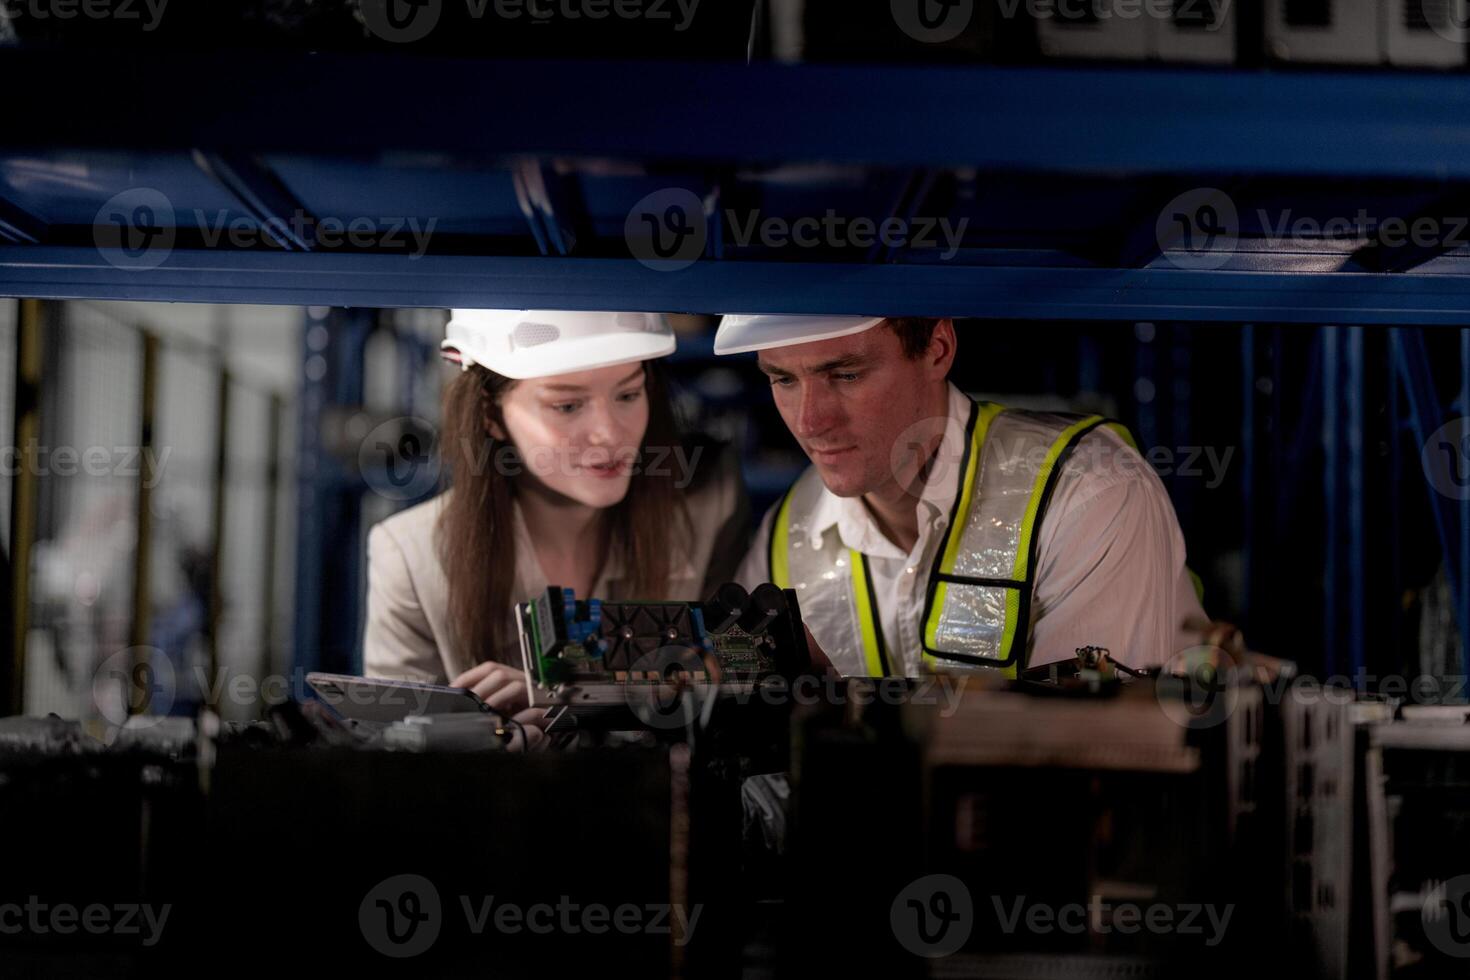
x=495, y=430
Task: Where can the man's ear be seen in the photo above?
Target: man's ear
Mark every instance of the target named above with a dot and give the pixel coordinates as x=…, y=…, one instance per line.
x=939, y=358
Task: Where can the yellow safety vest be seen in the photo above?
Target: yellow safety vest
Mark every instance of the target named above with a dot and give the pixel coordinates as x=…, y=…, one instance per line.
x=978, y=603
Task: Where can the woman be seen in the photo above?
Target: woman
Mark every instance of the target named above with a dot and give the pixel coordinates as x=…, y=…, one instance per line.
x=566, y=469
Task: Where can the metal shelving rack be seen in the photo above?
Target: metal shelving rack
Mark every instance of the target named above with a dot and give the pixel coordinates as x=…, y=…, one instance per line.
x=1148, y=131
x=536, y=170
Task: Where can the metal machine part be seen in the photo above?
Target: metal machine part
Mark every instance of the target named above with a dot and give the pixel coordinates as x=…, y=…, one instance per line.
x=448, y=733
x=1417, y=802
x=1425, y=33
x=600, y=653
x=1335, y=31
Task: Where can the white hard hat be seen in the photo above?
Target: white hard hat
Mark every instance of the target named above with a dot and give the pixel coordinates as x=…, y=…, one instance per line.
x=741, y=333
x=523, y=344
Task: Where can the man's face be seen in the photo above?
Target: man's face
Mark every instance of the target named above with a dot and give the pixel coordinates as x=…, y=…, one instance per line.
x=848, y=400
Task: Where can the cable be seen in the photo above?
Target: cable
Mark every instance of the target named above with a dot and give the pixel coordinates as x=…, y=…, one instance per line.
x=504, y=721
x=525, y=742
x=1092, y=657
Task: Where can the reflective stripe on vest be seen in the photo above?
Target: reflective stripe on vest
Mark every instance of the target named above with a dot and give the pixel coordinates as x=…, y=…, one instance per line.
x=865, y=600
x=978, y=602
x=978, y=610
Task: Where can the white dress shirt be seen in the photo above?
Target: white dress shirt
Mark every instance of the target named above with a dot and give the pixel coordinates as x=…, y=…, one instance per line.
x=1110, y=570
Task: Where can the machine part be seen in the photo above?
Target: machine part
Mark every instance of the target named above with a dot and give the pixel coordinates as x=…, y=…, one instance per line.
x=1086, y=29
x=1417, y=801
x=766, y=603
x=446, y=733
x=1429, y=33
x=633, y=631
x=726, y=607
x=1327, y=31
x=1127, y=732
x=589, y=652
x=549, y=633
x=1194, y=30
x=1197, y=30
x=679, y=695
x=1318, y=739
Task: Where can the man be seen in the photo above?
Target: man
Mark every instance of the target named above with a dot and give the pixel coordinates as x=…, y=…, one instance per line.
x=935, y=533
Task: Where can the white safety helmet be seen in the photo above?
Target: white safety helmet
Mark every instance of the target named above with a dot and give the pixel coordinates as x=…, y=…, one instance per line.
x=523, y=344
x=739, y=333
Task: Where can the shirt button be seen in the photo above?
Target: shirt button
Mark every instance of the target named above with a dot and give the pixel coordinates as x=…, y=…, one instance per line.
x=910, y=569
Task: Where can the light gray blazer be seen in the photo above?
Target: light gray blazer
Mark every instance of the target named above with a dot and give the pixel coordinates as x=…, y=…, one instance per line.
x=407, y=635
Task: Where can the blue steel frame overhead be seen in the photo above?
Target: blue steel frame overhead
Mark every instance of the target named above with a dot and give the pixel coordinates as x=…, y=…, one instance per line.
x=528, y=168
x=531, y=170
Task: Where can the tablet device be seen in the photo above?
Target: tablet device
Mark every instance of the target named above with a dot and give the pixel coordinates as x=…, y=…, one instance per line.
x=376, y=702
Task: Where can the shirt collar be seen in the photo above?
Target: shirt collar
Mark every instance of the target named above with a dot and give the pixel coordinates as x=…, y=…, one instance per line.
x=855, y=525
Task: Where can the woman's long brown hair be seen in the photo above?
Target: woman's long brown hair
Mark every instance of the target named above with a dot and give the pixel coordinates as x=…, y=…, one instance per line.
x=476, y=537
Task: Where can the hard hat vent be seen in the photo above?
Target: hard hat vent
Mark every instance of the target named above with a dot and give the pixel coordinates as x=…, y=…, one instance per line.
x=637, y=321
x=534, y=334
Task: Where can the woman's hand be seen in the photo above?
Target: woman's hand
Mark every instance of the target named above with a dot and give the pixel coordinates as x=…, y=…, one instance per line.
x=527, y=733
x=501, y=686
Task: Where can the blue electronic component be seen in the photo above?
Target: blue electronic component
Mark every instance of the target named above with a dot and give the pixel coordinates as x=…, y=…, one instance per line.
x=594, y=624
x=569, y=615
x=697, y=615
x=580, y=629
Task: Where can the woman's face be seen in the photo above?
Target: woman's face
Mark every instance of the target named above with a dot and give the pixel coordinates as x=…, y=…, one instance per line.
x=579, y=434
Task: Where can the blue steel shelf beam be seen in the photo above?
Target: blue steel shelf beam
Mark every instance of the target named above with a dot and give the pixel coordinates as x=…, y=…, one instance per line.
x=1145, y=241
x=714, y=220
x=1462, y=593
x=1248, y=397
x=262, y=193
x=1395, y=482
x=18, y=226
x=1331, y=486
x=1357, y=512
x=329, y=558
x=1007, y=292
x=1447, y=217
x=1344, y=509
x=1451, y=523
x=1117, y=119
x=551, y=205
x=912, y=190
